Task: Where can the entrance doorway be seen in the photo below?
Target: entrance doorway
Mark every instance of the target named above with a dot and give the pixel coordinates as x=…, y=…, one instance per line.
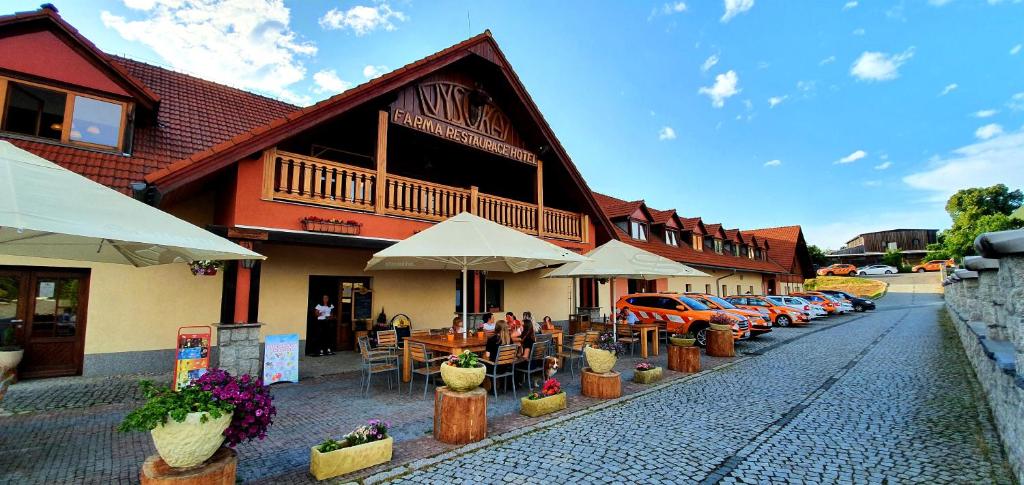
x=44, y=310
x=771, y=286
x=352, y=297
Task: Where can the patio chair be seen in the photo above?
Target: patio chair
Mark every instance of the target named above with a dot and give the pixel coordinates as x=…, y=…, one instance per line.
x=663, y=333
x=387, y=340
x=592, y=337
x=421, y=331
x=546, y=337
x=628, y=336
x=572, y=350
x=376, y=362
x=535, y=364
x=503, y=365
x=431, y=366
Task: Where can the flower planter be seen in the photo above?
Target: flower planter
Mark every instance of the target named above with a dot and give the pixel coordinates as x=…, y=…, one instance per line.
x=542, y=406
x=647, y=376
x=9, y=359
x=190, y=442
x=682, y=342
x=347, y=460
x=462, y=379
x=600, y=361
x=719, y=326
x=331, y=227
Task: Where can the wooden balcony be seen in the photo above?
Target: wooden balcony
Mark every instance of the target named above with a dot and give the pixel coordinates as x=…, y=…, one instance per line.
x=298, y=178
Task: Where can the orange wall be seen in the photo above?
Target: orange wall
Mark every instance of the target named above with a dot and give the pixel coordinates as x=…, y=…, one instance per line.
x=45, y=55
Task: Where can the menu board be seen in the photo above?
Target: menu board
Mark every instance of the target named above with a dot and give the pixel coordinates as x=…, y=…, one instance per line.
x=281, y=358
x=192, y=355
x=362, y=305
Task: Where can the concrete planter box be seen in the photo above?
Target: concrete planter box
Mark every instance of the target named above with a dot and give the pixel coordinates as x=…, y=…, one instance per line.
x=462, y=379
x=647, y=376
x=542, y=406
x=347, y=460
x=190, y=442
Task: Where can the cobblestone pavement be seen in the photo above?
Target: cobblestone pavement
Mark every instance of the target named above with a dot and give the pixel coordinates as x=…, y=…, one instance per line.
x=888, y=398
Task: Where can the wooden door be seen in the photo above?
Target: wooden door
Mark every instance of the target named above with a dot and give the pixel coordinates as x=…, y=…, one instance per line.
x=53, y=334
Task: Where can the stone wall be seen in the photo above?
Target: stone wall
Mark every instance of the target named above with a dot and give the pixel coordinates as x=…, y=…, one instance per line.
x=238, y=349
x=986, y=303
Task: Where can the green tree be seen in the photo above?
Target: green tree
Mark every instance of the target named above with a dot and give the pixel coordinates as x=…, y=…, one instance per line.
x=817, y=256
x=975, y=211
x=893, y=257
x=977, y=202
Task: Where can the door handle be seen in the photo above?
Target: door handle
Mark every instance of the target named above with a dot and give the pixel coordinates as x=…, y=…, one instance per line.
x=17, y=321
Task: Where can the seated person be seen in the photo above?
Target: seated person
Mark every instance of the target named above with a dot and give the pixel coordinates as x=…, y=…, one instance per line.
x=527, y=340
x=547, y=325
x=457, y=327
x=488, y=324
x=501, y=336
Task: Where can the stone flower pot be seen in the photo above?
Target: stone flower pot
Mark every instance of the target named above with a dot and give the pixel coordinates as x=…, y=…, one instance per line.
x=347, y=460
x=542, y=406
x=721, y=326
x=647, y=376
x=462, y=379
x=190, y=442
x=682, y=342
x=600, y=361
x=9, y=359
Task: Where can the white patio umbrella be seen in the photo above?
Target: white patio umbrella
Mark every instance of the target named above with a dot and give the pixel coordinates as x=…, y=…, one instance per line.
x=616, y=259
x=48, y=211
x=468, y=242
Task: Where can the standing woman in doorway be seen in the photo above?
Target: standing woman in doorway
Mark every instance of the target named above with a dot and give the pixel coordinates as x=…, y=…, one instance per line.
x=324, y=320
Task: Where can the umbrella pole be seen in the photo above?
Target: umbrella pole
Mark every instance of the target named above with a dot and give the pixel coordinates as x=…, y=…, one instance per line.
x=465, y=309
x=615, y=321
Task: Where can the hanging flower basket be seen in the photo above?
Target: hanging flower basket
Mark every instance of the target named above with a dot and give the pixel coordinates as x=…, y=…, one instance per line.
x=204, y=267
x=331, y=226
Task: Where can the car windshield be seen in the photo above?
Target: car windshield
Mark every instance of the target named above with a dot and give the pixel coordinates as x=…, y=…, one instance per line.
x=693, y=304
x=722, y=302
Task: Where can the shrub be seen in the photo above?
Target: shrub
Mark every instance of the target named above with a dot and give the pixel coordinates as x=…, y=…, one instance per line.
x=163, y=404
x=374, y=430
x=252, y=401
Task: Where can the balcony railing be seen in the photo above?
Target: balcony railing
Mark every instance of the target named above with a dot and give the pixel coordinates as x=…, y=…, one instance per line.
x=299, y=178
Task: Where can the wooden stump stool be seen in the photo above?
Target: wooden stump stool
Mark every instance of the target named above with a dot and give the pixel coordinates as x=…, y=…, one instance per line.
x=683, y=359
x=720, y=343
x=219, y=469
x=460, y=417
x=601, y=386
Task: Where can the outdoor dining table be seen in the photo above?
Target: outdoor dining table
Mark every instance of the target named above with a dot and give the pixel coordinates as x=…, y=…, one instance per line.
x=646, y=329
x=451, y=344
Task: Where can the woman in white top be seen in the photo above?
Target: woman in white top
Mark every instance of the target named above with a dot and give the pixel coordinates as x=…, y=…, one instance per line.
x=323, y=322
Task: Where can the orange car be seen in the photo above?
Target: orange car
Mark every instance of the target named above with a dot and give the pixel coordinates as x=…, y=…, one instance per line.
x=780, y=315
x=680, y=313
x=820, y=300
x=838, y=270
x=759, y=322
x=933, y=265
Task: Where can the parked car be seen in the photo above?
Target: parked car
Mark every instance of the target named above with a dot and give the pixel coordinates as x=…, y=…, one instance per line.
x=877, y=269
x=680, y=313
x=844, y=305
x=859, y=304
x=781, y=315
x=838, y=270
x=760, y=321
x=797, y=303
x=821, y=301
x=933, y=265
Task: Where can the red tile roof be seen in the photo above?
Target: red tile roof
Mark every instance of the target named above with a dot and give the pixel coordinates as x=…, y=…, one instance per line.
x=661, y=217
x=785, y=244
x=693, y=224
x=614, y=208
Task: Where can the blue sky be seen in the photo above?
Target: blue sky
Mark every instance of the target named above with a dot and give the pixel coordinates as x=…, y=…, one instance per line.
x=841, y=116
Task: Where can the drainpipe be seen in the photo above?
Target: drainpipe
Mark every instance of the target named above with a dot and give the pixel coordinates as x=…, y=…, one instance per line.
x=718, y=287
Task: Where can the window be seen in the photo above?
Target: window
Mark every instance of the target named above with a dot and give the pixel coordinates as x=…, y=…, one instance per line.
x=917, y=244
x=494, y=292
x=725, y=290
x=689, y=288
x=757, y=254
x=739, y=289
x=751, y=289
x=671, y=238
x=728, y=247
x=638, y=230
x=892, y=246
x=698, y=243
x=718, y=246
x=34, y=111
x=707, y=289
x=42, y=112
x=96, y=122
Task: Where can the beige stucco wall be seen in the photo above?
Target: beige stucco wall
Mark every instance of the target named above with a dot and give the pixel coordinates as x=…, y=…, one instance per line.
x=743, y=278
x=131, y=309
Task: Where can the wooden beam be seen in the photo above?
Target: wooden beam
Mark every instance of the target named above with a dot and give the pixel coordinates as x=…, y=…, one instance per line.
x=474, y=195
x=585, y=229
x=382, y=160
x=540, y=198
x=269, y=172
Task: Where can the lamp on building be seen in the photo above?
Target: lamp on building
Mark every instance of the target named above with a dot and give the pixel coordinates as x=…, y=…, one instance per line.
x=246, y=263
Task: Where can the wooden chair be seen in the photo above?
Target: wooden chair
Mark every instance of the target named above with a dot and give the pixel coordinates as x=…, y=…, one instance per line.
x=503, y=365
x=387, y=340
x=573, y=352
x=376, y=362
x=535, y=362
x=431, y=366
x=546, y=337
x=592, y=337
x=628, y=336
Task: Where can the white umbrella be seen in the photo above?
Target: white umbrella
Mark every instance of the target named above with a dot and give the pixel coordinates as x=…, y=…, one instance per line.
x=616, y=259
x=48, y=211
x=468, y=242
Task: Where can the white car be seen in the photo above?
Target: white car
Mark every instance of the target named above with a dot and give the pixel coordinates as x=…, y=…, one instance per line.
x=844, y=305
x=877, y=269
x=797, y=303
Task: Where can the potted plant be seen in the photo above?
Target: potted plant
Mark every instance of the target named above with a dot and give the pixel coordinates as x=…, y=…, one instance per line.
x=601, y=357
x=682, y=340
x=205, y=267
x=364, y=447
x=645, y=372
x=462, y=372
x=254, y=404
x=551, y=398
x=721, y=321
x=10, y=352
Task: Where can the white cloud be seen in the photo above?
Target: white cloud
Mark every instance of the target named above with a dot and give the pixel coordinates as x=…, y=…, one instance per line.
x=827, y=60
x=736, y=7
x=1015, y=49
x=725, y=87
x=1016, y=102
x=709, y=63
x=849, y=5
x=872, y=183
x=362, y=19
x=859, y=31
x=883, y=166
x=776, y=100
x=671, y=8
x=990, y=130
x=985, y=113
x=328, y=82
x=372, y=72
x=983, y=163
x=666, y=133
x=948, y=89
x=853, y=157
x=879, y=66
x=243, y=43
x=773, y=163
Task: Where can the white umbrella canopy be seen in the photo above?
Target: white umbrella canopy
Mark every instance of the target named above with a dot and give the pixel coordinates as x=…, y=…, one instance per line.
x=468, y=242
x=48, y=211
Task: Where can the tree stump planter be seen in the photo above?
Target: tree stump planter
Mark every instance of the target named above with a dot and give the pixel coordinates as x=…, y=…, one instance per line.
x=347, y=460
x=218, y=470
x=647, y=376
x=601, y=386
x=720, y=343
x=539, y=407
x=684, y=359
x=460, y=417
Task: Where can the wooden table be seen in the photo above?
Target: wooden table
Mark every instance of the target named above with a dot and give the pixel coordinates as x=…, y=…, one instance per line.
x=646, y=329
x=441, y=343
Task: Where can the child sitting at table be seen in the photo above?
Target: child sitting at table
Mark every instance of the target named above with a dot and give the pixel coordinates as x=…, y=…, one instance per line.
x=457, y=327
x=547, y=325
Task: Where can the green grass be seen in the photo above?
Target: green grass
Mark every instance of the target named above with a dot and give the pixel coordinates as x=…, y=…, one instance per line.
x=853, y=285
